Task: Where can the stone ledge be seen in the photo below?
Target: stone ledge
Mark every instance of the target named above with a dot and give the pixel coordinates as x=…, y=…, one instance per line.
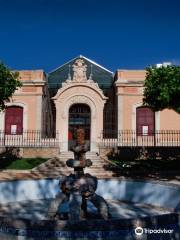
x=33, y=174
x=88, y=225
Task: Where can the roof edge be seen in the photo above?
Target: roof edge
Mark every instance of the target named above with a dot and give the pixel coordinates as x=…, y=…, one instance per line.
x=81, y=56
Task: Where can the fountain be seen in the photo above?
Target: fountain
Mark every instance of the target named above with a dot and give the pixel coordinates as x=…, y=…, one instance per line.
x=134, y=205
x=78, y=187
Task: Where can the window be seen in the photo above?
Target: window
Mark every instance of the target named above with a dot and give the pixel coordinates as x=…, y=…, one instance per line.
x=14, y=120
x=145, y=121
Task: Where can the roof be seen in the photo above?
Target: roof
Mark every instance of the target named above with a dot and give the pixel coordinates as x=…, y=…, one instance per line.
x=100, y=74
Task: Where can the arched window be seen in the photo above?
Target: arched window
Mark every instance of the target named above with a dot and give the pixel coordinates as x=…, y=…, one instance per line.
x=14, y=120
x=145, y=121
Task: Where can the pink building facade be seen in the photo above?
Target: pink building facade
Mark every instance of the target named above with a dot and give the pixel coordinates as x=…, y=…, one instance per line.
x=29, y=107
x=129, y=84
x=83, y=94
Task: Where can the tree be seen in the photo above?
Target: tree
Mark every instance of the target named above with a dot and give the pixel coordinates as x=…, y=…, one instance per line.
x=162, y=88
x=8, y=84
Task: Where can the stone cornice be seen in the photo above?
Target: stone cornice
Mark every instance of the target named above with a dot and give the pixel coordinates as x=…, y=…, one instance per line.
x=34, y=83
x=27, y=94
x=129, y=94
x=128, y=83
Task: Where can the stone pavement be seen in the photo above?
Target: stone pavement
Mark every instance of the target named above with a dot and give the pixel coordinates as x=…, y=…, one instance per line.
x=56, y=167
x=25, y=174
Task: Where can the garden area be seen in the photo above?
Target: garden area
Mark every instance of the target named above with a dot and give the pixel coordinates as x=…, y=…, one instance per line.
x=9, y=160
x=147, y=162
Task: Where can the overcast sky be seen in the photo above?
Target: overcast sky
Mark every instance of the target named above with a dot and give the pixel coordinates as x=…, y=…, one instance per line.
x=43, y=34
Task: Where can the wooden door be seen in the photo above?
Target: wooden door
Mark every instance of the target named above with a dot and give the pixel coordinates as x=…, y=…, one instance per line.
x=145, y=121
x=14, y=120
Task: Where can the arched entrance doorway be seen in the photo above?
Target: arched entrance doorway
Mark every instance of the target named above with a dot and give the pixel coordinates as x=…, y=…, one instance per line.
x=79, y=117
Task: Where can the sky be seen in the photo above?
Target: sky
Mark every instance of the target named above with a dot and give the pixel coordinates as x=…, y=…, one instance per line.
x=131, y=34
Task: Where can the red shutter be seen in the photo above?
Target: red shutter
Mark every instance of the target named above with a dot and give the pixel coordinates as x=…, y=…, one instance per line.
x=14, y=120
x=145, y=118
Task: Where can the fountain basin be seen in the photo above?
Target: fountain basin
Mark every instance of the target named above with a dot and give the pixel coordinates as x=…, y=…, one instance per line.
x=132, y=203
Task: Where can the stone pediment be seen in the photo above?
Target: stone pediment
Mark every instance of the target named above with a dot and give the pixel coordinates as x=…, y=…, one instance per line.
x=79, y=78
x=95, y=71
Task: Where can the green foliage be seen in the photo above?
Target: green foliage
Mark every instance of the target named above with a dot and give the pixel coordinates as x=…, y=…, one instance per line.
x=26, y=163
x=21, y=164
x=162, y=88
x=8, y=84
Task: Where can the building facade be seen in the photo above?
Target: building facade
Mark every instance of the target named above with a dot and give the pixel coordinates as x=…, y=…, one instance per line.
x=29, y=108
x=83, y=94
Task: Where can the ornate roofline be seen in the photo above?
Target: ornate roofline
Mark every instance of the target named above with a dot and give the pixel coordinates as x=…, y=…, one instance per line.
x=87, y=59
x=79, y=79
x=98, y=65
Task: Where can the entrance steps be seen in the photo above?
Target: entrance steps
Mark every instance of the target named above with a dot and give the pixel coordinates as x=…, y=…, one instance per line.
x=64, y=156
x=98, y=168
x=58, y=165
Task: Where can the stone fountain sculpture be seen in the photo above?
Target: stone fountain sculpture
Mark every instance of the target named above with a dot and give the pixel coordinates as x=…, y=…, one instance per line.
x=79, y=187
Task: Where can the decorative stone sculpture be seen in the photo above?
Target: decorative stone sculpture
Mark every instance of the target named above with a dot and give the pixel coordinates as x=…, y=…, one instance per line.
x=77, y=188
x=79, y=68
